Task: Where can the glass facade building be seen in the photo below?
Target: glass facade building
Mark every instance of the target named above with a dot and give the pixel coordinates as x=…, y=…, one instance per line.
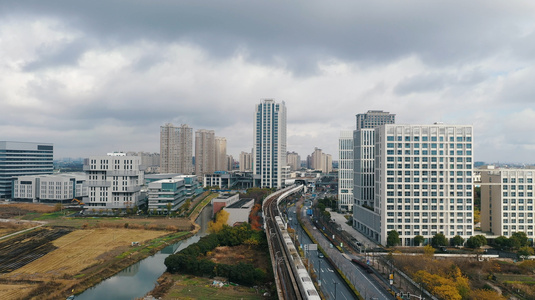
x=23, y=158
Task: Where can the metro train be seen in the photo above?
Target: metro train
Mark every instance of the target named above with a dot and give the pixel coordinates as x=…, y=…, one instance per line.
x=303, y=279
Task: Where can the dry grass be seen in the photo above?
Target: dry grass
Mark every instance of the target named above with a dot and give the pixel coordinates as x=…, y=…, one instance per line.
x=14, y=291
x=242, y=253
x=32, y=207
x=78, y=250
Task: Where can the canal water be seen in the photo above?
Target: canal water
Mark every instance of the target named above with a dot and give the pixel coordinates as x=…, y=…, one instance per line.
x=140, y=278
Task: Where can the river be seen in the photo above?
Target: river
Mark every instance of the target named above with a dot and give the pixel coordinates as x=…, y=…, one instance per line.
x=140, y=278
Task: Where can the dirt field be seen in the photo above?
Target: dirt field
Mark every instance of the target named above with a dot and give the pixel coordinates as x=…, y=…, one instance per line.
x=242, y=253
x=65, y=257
x=79, y=250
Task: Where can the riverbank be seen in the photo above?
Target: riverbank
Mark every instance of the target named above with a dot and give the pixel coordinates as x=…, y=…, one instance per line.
x=80, y=260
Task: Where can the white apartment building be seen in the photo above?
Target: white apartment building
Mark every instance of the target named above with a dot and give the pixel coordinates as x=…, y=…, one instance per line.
x=50, y=188
x=113, y=180
x=507, y=201
x=345, y=170
x=269, y=150
x=205, y=152
x=423, y=183
x=176, y=149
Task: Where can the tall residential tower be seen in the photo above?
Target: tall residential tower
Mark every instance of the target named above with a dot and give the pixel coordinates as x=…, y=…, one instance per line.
x=176, y=149
x=269, y=150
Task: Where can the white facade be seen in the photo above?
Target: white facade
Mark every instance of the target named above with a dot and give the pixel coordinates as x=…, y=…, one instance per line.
x=239, y=212
x=60, y=187
x=507, y=201
x=205, y=152
x=423, y=183
x=269, y=151
x=113, y=180
x=345, y=170
x=176, y=149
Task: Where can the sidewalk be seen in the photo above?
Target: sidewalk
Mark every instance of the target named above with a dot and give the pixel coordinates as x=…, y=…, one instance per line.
x=341, y=220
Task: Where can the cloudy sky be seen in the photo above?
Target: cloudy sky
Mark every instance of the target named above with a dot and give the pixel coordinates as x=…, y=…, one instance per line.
x=104, y=75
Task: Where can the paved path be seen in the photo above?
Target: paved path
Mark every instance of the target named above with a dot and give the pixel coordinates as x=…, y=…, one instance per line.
x=22, y=231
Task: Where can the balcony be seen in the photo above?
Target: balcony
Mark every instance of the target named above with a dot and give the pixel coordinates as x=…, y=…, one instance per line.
x=92, y=183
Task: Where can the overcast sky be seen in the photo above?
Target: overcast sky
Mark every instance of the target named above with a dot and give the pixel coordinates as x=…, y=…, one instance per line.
x=100, y=76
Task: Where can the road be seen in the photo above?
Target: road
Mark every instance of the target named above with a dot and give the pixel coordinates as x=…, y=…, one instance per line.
x=332, y=285
x=365, y=284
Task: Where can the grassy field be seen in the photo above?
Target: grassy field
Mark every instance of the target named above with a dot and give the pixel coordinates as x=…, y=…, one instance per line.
x=191, y=287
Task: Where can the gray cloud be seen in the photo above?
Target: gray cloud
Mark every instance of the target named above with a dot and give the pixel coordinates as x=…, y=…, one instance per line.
x=113, y=71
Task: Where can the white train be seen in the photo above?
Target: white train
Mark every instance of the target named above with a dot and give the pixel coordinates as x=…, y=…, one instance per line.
x=306, y=285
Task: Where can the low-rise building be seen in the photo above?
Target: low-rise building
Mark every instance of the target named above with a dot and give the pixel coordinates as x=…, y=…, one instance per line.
x=224, y=200
x=50, y=188
x=239, y=211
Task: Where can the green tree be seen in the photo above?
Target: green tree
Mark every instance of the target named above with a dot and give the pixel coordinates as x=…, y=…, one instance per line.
x=418, y=240
x=501, y=242
x=169, y=206
x=439, y=240
x=476, y=241
x=521, y=237
x=392, y=239
x=526, y=251
x=457, y=240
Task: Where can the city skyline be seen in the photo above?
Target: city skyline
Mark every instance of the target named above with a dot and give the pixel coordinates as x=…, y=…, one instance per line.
x=96, y=77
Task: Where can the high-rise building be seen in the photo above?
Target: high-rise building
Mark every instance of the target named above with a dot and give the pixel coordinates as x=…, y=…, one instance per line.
x=23, y=158
x=423, y=180
x=269, y=150
x=507, y=201
x=374, y=118
x=246, y=161
x=345, y=170
x=294, y=161
x=205, y=155
x=176, y=149
x=321, y=161
x=363, y=152
x=113, y=181
x=221, y=162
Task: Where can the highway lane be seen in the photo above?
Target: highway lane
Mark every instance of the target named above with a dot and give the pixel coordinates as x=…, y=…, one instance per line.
x=360, y=279
x=332, y=285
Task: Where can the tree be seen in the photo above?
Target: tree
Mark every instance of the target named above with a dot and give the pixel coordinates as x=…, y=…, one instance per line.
x=221, y=219
x=457, y=240
x=501, y=242
x=439, y=240
x=58, y=206
x=169, y=206
x=392, y=239
x=429, y=251
x=418, y=240
x=521, y=237
x=476, y=241
x=526, y=251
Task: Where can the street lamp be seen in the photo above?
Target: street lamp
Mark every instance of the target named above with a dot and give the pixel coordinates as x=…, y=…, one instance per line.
x=335, y=283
